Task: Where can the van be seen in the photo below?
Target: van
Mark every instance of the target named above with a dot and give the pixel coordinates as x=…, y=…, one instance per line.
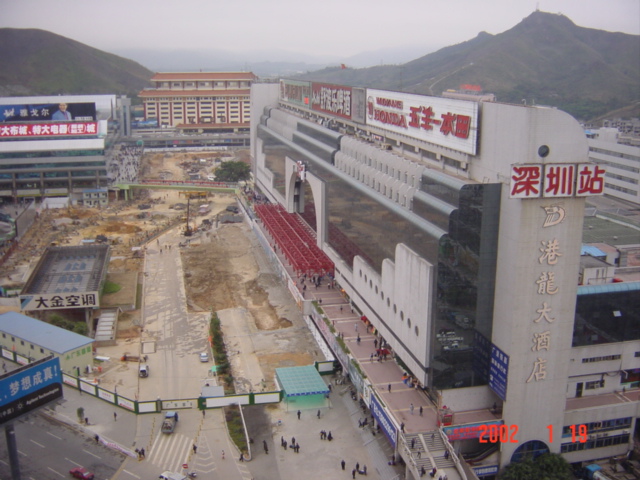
x=143, y=371
x=172, y=476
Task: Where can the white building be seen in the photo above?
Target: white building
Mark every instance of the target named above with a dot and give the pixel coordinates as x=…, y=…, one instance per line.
x=437, y=209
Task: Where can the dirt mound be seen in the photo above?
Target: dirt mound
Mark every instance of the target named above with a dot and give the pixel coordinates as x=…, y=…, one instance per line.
x=224, y=274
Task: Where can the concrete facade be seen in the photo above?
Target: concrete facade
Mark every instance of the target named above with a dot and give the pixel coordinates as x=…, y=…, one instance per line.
x=441, y=239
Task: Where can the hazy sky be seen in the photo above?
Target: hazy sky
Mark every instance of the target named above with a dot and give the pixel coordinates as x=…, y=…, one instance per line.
x=323, y=27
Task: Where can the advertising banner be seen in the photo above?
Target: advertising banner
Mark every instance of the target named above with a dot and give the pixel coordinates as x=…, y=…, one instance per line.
x=498, y=372
x=442, y=121
x=331, y=99
x=296, y=92
x=56, y=112
x=52, y=301
x=22, y=130
x=29, y=388
x=383, y=420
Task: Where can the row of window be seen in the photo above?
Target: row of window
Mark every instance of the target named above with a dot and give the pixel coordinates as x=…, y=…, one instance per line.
x=621, y=189
x=4, y=335
x=416, y=330
x=600, y=426
x=596, y=443
x=603, y=358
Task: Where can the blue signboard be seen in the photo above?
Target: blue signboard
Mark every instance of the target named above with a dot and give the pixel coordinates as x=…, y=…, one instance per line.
x=30, y=387
x=481, y=356
x=383, y=420
x=485, y=471
x=498, y=372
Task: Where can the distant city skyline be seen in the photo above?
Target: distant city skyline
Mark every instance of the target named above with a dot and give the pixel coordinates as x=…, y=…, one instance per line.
x=330, y=29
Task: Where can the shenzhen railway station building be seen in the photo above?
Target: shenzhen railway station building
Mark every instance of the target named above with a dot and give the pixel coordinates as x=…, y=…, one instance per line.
x=444, y=215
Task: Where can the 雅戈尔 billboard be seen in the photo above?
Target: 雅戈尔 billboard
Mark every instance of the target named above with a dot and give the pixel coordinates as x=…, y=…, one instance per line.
x=56, y=112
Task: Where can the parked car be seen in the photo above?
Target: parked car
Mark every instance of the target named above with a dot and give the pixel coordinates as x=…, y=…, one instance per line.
x=82, y=473
x=204, y=357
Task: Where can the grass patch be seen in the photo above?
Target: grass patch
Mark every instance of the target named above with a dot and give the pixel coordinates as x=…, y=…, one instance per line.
x=236, y=428
x=111, y=287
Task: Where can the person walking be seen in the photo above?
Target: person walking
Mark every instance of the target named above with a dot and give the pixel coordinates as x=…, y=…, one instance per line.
x=222, y=454
x=298, y=414
x=421, y=410
x=411, y=408
x=115, y=417
x=389, y=388
x=195, y=448
x=318, y=414
x=266, y=447
x=343, y=464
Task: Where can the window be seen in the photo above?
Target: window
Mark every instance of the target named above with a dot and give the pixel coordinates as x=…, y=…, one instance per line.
x=601, y=359
x=594, y=385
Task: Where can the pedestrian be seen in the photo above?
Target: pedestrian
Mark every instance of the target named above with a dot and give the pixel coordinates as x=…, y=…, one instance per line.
x=318, y=414
x=358, y=340
x=86, y=420
x=203, y=412
x=241, y=457
x=195, y=448
x=282, y=441
x=446, y=454
x=413, y=442
x=343, y=463
x=222, y=454
x=293, y=440
x=115, y=417
x=298, y=414
x=402, y=427
x=285, y=444
x=419, y=454
x=389, y=388
x=97, y=439
x=266, y=447
x=364, y=469
x=411, y=408
x=421, y=409
x=358, y=466
x=143, y=453
x=353, y=473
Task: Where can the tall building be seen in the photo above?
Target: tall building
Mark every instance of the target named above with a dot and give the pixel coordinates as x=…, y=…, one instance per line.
x=622, y=162
x=449, y=215
x=200, y=102
x=56, y=145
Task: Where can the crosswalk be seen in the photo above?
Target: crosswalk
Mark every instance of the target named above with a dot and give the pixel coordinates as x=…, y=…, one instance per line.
x=170, y=452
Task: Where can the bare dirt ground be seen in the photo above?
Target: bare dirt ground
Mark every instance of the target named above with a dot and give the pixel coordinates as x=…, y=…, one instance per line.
x=220, y=273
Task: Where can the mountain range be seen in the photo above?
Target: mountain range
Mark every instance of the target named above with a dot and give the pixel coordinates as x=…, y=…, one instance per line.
x=545, y=59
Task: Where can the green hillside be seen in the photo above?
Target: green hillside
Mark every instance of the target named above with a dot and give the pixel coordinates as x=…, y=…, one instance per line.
x=546, y=59
x=36, y=62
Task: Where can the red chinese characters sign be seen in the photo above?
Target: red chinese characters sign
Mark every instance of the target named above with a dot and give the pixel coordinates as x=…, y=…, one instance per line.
x=441, y=121
x=556, y=180
x=48, y=129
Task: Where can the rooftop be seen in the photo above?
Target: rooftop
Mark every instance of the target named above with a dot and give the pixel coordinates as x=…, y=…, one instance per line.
x=54, y=339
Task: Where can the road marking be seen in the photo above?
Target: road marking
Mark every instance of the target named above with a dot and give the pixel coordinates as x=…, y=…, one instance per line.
x=40, y=445
x=55, y=436
x=132, y=474
x=93, y=455
x=71, y=461
x=57, y=473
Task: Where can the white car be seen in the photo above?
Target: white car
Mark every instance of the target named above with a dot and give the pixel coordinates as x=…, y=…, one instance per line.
x=204, y=357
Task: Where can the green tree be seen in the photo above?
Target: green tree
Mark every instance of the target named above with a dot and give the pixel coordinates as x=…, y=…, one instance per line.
x=549, y=466
x=233, y=172
x=553, y=466
x=525, y=470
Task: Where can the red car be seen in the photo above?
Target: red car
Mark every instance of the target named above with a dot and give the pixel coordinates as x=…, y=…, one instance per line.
x=81, y=473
